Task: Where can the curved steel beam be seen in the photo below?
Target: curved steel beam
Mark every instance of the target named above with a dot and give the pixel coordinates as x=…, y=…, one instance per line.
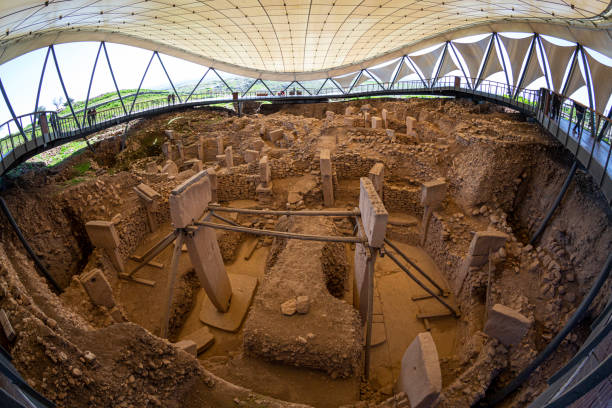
x=592, y=33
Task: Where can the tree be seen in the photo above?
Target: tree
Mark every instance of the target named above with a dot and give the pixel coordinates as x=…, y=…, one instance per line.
x=58, y=102
x=41, y=108
x=71, y=100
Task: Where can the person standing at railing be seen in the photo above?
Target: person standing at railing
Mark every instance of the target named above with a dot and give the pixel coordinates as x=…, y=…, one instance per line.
x=94, y=113
x=580, y=110
x=556, y=106
x=169, y=97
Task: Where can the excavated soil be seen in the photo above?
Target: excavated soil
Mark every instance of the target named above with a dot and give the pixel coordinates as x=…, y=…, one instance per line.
x=502, y=172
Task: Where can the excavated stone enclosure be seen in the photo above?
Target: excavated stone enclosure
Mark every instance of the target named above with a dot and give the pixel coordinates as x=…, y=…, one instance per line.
x=500, y=174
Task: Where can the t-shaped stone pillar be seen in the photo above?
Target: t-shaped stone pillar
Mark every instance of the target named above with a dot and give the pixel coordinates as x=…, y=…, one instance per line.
x=180, y=150
x=385, y=114
x=377, y=122
x=377, y=177
x=420, y=376
x=212, y=176
x=167, y=150
x=410, y=124
x=187, y=204
x=98, y=288
x=229, y=157
x=104, y=235
x=150, y=199
x=433, y=194
x=219, y=144
x=200, y=146
x=326, y=178
x=374, y=215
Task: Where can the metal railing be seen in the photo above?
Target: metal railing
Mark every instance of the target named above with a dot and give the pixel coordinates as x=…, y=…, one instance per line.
x=590, y=143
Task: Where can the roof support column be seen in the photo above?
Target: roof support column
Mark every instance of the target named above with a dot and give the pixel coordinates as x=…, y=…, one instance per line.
x=168, y=76
x=196, y=87
x=141, y=81
x=93, y=71
x=110, y=68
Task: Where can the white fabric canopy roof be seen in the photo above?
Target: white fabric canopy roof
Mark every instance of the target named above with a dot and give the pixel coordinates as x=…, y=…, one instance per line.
x=290, y=39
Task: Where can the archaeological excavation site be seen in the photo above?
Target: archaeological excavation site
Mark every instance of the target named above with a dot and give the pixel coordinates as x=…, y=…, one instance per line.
x=302, y=256
x=219, y=204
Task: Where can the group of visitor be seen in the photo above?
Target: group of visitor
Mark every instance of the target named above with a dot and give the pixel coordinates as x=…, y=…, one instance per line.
x=91, y=116
x=171, y=99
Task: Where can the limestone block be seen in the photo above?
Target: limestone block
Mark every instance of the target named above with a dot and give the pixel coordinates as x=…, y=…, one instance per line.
x=212, y=177
x=374, y=216
x=487, y=241
x=362, y=282
x=264, y=171
x=167, y=150
x=329, y=115
x=188, y=346
x=420, y=376
x=326, y=178
x=169, y=134
x=229, y=157
x=98, y=289
x=433, y=193
x=219, y=145
x=189, y=200
x=350, y=110
x=385, y=115
x=102, y=234
x=170, y=168
x=367, y=119
x=251, y=156
x=410, y=124
x=391, y=133
x=348, y=121
x=325, y=162
x=207, y=261
x=302, y=304
x=507, y=325
x=377, y=176
x=258, y=145
x=276, y=134
x=377, y=122
x=181, y=150
x=151, y=167
x=200, y=147
x=195, y=164
x=203, y=339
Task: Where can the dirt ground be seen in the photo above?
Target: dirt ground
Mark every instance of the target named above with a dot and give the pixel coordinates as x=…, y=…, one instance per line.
x=502, y=173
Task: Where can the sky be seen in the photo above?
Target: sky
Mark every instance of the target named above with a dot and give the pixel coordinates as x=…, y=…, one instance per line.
x=21, y=76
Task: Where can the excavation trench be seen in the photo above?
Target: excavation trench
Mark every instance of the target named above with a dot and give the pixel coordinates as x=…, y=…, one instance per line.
x=499, y=172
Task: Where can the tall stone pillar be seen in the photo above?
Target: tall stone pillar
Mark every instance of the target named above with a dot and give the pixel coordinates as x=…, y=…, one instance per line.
x=327, y=184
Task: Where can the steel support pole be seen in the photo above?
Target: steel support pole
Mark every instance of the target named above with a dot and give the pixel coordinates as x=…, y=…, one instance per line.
x=249, y=88
x=42, y=75
x=27, y=246
x=530, y=55
x=355, y=81
x=303, y=87
x=168, y=76
x=303, y=237
x=93, y=71
x=110, y=68
x=337, y=86
x=59, y=74
x=556, y=203
x=467, y=80
x=413, y=65
x=374, y=78
x=421, y=284
x=415, y=266
x=397, y=71
x=485, y=62
x=439, y=67
x=544, y=62
x=501, y=56
x=321, y=88
x=266, y=86
x=10, y=108
x=198, y=84
x=222, y=80
x=141, y=81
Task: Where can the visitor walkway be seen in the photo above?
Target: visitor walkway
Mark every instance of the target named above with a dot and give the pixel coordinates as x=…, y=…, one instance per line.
x=28, y=135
